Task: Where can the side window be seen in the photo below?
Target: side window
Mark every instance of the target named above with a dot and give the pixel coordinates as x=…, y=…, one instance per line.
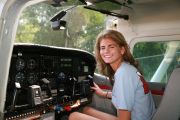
x=157, y=59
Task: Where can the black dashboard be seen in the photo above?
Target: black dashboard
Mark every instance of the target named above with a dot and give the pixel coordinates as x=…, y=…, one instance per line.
x=44, y=79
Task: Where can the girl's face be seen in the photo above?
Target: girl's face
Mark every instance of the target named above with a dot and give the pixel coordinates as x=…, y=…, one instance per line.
x=111, y=53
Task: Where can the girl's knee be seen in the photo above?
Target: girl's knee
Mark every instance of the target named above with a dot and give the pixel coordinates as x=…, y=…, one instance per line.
x=73, y=116
x=88, y=110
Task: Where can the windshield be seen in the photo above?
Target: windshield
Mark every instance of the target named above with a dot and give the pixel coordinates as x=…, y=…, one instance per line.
x=82, y=27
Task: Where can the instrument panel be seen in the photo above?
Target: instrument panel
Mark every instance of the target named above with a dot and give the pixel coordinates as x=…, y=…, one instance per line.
x=48, y=77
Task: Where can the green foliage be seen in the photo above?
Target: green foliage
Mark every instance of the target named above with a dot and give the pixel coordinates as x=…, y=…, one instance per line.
x=34, y=26
x=94, y=24
x=149, y=55
x=147, y=47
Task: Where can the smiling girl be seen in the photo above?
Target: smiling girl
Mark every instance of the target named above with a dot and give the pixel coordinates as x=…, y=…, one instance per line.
x=130, y=94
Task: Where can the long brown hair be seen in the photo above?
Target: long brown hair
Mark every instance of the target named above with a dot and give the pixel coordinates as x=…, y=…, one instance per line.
x=105, y=68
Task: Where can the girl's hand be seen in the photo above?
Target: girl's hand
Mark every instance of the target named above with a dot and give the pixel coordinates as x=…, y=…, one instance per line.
x=98, y=90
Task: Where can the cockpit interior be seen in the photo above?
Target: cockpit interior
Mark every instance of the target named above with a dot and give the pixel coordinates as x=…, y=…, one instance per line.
x=45, y=79
x=47, y=55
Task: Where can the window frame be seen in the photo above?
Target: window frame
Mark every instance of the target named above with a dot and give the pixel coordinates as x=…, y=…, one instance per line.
x=156, y=38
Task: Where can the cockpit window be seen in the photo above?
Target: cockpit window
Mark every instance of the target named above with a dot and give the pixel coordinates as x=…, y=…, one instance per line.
x=157, y=59
x=82, y=27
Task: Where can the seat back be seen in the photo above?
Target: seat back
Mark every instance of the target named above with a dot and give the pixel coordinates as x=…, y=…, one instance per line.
x=169, y=108
x=157, y=91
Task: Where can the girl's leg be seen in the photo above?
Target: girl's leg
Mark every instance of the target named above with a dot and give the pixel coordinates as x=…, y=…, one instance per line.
x=98, y=114
x=81, y=116
x=91, y=114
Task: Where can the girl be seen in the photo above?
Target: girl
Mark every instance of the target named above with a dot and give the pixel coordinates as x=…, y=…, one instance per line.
x=130, y=94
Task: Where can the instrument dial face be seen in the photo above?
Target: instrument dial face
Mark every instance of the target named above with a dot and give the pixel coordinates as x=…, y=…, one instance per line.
x=31, y=64
x=20, y=77
x=32, y=78
x=20, y=64
x=61, y=75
